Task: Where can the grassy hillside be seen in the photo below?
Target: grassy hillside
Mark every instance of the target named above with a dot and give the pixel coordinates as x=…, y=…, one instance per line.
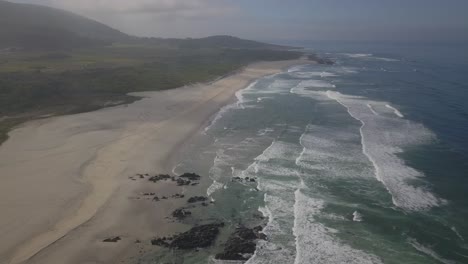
x=34, y=84
x=39, y=27
x=54, y=62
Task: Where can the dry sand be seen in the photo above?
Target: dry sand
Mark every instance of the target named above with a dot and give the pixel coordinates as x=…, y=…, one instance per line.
x=64, y=181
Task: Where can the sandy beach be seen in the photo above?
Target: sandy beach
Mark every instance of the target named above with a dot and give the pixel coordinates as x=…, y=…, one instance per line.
x=68, y=182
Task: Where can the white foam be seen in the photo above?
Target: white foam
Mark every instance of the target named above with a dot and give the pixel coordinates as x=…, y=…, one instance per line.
x=357, y=217
x=213, y=188
x=296, y=68
x=216, y=171
x=358, y=55
x=314, y=241
x=306, y=88
x=265, y=131
x=454, y=229
x=333, y=153
x=307, y=75
x=386, y=59
x=372, y=109
x=240, y=94
x=277, y=209
x=397, y=113
x=428, y=251
x=383, y=137
x=240, y=104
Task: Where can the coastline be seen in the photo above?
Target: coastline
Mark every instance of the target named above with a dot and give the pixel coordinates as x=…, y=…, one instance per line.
x=99, y=200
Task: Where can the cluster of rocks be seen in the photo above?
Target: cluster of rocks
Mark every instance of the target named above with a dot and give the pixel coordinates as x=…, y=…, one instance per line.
x=181, y=213
x=241, y=244
x=196, y=199
x=246, y=179
x=160, y=177
x=182, y=180
x=176, y=196
x=190, y=176
x=201, y=236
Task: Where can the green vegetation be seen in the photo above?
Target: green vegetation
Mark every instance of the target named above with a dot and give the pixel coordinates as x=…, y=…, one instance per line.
x=35, y=84
x=55, y=62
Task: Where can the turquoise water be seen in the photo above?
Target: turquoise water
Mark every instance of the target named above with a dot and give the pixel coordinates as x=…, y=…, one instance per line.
x=365, y=161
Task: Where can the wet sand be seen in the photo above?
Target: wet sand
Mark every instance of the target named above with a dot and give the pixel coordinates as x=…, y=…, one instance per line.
x=66, y=182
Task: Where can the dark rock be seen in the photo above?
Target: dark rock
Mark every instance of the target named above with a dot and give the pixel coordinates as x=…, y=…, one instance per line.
x=201, y=236
x=190, y=176
x=164, y=198
x=156, y=199
x=251, y=180
x=195, y=183
x=241, y=244
x=182, y=182
x=195, y=199
x=181, y=213
x=198, y=237
x=159, y=177
x=159, y=242
x=112, y=239
x=178, y=195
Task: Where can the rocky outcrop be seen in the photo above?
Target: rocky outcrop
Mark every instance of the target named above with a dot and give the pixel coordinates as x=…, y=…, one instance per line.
x=182, y=182
x=181, y=213
x=201, y=236
x=159, y=177
x=241, y=244
x=196, y=199
x=190, y=176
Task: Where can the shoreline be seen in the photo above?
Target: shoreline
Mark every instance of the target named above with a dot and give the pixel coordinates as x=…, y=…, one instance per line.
x=180, y=114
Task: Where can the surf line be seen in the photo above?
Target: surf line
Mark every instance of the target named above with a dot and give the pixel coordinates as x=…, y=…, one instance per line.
x=363, y=144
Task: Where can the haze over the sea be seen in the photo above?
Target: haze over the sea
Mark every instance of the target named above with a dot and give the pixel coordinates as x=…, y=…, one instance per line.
x=358, y=20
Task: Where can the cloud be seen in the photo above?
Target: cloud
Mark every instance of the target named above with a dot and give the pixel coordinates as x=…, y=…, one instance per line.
x=192, y=8
x=161, y=18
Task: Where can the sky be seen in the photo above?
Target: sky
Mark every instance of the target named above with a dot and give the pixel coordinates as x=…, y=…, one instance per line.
x=281, y=20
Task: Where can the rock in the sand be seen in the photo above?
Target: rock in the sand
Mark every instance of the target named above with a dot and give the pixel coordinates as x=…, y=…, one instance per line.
x=190, y=176
x=241, y=244
x=195, y=199
x=156, y=198
x=159, y=177
x=178, y=195
x=182, y=182
x=160, y=242
x=201, y=236
x=181, y=213
x=112, y=239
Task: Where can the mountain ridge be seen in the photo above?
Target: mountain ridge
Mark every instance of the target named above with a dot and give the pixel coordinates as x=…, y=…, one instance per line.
x=31, y=26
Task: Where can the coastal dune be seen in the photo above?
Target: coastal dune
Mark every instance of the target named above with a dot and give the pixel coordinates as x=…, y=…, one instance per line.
x=64, y=181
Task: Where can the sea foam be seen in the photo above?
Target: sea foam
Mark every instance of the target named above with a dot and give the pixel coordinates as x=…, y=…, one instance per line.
x=314, y=242
x=383, y=138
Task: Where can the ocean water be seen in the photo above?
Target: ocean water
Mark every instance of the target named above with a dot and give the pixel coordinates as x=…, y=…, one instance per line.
x=364, y=161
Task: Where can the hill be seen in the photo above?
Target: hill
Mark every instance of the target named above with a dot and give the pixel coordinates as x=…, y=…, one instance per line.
x=35, y=27
x=39, y=27
x=220, y=41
